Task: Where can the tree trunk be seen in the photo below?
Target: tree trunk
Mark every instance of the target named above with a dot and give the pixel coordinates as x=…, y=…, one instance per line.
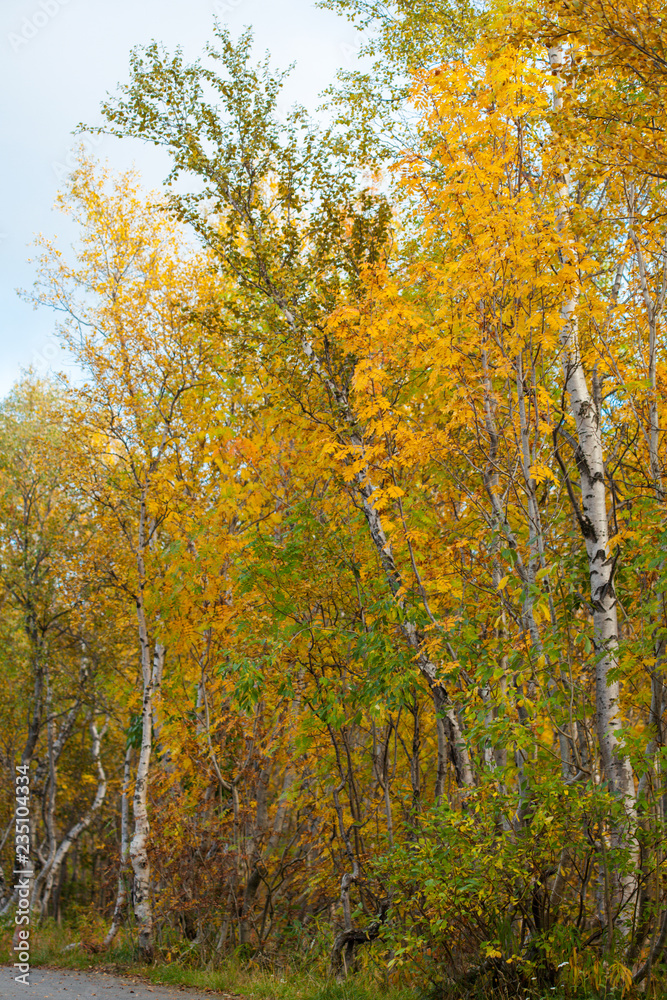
x=138, y=852
x=75, y=831
x=442, y=703
x=121, y=895
x=594, y=525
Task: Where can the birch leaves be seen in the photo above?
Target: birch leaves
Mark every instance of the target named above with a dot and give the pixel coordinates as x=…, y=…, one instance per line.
x=384, y=463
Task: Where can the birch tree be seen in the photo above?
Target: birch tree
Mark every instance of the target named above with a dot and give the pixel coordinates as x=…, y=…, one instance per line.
x=378, y=482
x=143, y=354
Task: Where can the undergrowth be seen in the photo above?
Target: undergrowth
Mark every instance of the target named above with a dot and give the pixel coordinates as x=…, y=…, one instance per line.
x=254, y=978
x=78, y=947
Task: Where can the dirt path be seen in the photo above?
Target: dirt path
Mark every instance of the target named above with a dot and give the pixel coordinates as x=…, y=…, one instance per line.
x=56, y=984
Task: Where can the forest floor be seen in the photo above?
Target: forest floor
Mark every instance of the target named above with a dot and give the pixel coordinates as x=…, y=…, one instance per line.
x=55, y=954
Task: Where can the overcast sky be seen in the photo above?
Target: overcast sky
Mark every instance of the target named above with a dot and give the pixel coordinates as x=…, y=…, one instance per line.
x=58, y=60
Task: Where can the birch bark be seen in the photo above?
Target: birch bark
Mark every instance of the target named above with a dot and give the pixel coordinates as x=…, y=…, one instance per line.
x=594, y=525
x=143, y=909
x=121, y=895
x=151, y=673
x=593, y=520
x=77, y=829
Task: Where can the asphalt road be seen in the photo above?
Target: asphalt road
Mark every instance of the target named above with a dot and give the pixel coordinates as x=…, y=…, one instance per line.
x=55, y=984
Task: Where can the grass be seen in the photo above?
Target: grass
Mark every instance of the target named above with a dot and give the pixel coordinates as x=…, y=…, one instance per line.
x=250, y=980
x=298, y=979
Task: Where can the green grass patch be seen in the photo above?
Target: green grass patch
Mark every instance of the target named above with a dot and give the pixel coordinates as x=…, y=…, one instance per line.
x=50, y=946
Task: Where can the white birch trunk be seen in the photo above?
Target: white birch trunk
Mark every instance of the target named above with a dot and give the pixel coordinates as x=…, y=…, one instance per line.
x=595, y=527
x=75, y=831
x=594, y=521
x=594, y=524
x=143, y=909
x=151, y=674
x=121, y=895
x=47, y=852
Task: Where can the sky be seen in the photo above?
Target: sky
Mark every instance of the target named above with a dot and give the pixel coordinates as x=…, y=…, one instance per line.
x=58, y=60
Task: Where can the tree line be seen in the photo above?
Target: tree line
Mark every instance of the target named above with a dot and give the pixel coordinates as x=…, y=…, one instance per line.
x=333, y=578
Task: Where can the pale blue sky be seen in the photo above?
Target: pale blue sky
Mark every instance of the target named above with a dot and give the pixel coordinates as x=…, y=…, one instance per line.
x=58, y=58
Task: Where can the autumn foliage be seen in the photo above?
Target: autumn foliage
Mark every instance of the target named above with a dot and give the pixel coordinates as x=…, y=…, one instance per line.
x=333, y=579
